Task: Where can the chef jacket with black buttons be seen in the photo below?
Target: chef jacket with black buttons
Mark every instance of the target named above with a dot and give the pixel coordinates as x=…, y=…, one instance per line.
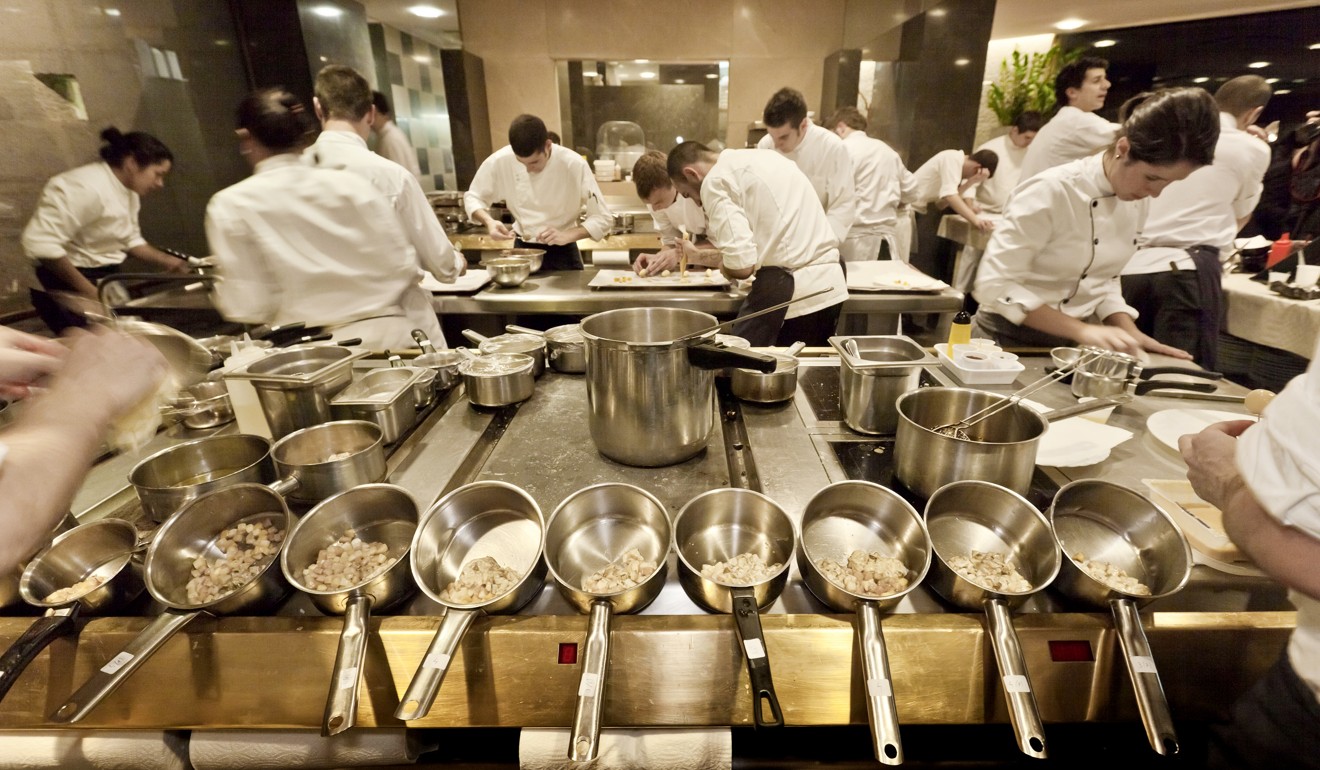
x=1063, y=241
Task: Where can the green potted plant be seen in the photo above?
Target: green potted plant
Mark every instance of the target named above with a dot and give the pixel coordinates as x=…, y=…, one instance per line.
x=1026, y=82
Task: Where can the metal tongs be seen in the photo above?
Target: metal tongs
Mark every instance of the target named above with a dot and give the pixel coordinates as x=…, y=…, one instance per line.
x=958, y=429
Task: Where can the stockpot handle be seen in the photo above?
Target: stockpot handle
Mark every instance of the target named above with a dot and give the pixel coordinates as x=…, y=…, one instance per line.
x=584, y=741
x=1016, y=681
x=425, y=684
x=750, y=635
x=712, y=355
x=1152, y=704
x=880, y=705
x=36, y=638
x=109, y=677
x=341, y=704
x=516, y=329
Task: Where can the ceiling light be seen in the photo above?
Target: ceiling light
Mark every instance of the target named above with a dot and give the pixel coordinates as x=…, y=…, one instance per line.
x=1271, y=81
x=712, y=75
x=591, y=74
x=962, y=62
x=426, y=11
x=111, y=11
x=1201, y=80
x=420, y=59
x=1104, y=44
x=641, y=61
x=1283, y=91
x=327, y=11
x=1070, y=24
x=1314, y=46
x=646, y=75
x=678, y=139
x=1256, y=65
x=937, y=12
x=680, y=81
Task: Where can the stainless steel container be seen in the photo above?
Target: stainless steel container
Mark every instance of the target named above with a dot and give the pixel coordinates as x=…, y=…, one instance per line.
x=565, y=348
x=206, y=405
x=295, y=385
x=512, y=344
x=535, y=256
x=498, y=380
x=769, y=387
x=386, y=397
x=873, y=373
x=327, y=459
x=508, y=272
x=170, y=479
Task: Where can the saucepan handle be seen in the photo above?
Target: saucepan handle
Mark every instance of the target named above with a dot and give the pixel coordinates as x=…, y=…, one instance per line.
x=341, y=705
x=36, y=638
x=1150, y=371
x=584, y=742
x=880, y=705
x=748, y=621
x=1152, y=704
x=425, y=684
x=1016, y=681
x=474, y=337
x=1146, y=386
x=711, y=355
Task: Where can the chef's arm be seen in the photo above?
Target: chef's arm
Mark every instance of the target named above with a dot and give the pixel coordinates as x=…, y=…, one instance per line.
x=961, y=207
x=167, y=262
x=66, y=272
x=480, y=194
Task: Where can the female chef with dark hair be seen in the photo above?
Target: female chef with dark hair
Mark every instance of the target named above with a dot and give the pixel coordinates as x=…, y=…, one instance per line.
x=1050, y=273
x=294, y=242
x=86, y=222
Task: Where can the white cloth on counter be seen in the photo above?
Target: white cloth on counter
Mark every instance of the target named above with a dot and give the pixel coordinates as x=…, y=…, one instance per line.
x=829, y=167
x=1070, y=134
x=304, y=749
x=87, y=215
x=94, y=749
x=1077, y=441
x=660, y=749
x=552, y=197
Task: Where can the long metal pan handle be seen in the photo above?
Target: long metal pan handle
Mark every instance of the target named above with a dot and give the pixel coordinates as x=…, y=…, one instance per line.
x=1022, y=708
x=341, y=705
x=880, y=705
x=36, y=638
x=1152, y=704
x=425, y=684
x=516, y=329
x=748, y=621
x=749, y=316
x=475, y=337
x=585, y=739
x=109, y=677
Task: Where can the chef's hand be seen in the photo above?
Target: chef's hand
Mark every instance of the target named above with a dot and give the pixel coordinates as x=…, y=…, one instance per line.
x=980, y=176
x=1152, y=345
x=499, y=231
x=177, y=266
x=24, y=359
x=109, y=371
x=1211, y=464
x=1109, y=338
x=553, y=236
x=983, y=224
x=654, y=264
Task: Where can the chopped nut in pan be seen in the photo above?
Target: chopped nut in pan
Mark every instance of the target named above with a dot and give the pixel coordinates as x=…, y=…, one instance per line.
x=990, y=570
x=1112, y=576
x=627, y=572
x=247, y=548
x=346, y=563
x=745, y=569
x=867, y=574
x=480, y=581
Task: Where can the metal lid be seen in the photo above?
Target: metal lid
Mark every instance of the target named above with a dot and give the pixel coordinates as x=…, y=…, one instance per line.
x=512, y=343
x=568, y=334
x=496, y=365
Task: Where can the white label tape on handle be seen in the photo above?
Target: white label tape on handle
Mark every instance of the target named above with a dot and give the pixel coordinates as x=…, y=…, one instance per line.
x=588, y=686
x=1016, y=683
x=879, y=687
x=754, y=648
x=117, y=662
x=436, y=660
x=1143, y=664
x=348, y=678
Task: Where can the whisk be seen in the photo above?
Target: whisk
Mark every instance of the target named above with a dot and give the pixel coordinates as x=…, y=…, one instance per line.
x=959, y=429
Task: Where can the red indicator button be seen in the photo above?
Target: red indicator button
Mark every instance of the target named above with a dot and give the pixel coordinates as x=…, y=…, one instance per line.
x=1066, y=651
x=568, y=653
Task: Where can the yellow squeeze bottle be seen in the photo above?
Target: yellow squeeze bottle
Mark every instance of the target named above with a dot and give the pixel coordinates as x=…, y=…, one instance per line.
x=960, y=331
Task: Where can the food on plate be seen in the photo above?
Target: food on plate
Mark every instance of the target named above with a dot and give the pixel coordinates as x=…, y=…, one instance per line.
x=990, y=570
x=745, y=569
x=626, y=572
x=480, y=580
x=867, y=573
x=1114, y=577
x=75, y=591
x=246, y=549
x=623, y=279
x=642, y=272
x=347, y=562
x=664, y=273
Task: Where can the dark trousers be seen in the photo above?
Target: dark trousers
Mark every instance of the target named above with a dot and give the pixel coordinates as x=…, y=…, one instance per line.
x=815, y=329
x=1275, y=725
x=55, y=315
x=772, y=286
x=566, y=257
x=1181, y=307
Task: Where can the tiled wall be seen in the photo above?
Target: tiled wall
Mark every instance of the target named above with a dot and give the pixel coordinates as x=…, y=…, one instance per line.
x=408, y=72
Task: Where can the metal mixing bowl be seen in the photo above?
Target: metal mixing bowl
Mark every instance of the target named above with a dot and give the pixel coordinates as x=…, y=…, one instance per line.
x=509, y=271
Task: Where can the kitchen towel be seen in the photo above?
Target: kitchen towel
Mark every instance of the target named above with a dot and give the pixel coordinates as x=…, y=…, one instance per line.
x=610, y=258
x=254, y=749
x=1076, y=441
x=94, y=749
x=677, y=749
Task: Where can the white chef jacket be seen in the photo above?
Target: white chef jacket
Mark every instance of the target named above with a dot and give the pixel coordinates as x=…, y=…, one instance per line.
x=393, y=144
x=1279, y=458
x=828, y=166
x=993, y=193
x=684, y=214
x=762, y=211
x=348, y=151
x=881, y=181
x=87, y=215
x=1070, y=134
x=554, y=197
x=938, y=177
x=1204, y=208
x=294, y=242
x=1062, y=243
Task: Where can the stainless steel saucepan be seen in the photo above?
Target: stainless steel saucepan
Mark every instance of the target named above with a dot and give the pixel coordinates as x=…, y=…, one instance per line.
x=174, y=477
x=591, y=529
x=853, y=516
x=565, y=347
x=317, y=462
x=968, y=516
x=717, y=526
x=512, y=344
x=1106, y=524
x=443, y=362
x=769, y=387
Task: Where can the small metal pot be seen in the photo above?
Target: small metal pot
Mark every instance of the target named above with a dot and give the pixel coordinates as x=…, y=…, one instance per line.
x=386, y=397
x=499, y=379
x=769, y=387
x=201, y=406
x=170, y=479
x=1110, y=523
x=377, y=513
x=295, y=385
x=482, y=519
x=591, y=529
x=717, y=526
x=443, y=362
x=512, y=344
x=318, y=462
x=508, y=272
x=976, y=515
x=566, y=349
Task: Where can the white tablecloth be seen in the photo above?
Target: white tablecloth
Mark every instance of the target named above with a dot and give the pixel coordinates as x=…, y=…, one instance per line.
x=1256, y=314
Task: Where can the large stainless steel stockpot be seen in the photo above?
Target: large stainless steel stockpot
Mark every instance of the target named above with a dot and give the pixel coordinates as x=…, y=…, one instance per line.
x=650, y=390
x=170, y=479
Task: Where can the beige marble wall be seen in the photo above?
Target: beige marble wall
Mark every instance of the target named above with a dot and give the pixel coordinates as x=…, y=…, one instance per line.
x=768, y=44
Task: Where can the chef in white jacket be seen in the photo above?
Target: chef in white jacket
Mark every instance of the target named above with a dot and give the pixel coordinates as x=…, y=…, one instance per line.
x=882, y=184
x=1075, y=131
x=295, y=242
x=818, y=152
x=546, y=187
x=391, y=142
x=676, y=217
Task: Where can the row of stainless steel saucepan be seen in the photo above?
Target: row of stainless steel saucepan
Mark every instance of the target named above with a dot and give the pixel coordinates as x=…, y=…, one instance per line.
x=596, y=527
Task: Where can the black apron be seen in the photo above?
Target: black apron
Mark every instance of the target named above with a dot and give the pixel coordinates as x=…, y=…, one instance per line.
x=55, y=315
x=566, y=257
x=772, y=286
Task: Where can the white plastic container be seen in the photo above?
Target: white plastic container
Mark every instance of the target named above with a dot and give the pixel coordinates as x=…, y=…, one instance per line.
x=247, y=409
x=1003, y=372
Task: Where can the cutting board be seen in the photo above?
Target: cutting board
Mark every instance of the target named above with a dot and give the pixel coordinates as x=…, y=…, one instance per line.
x=1201, y=522
x=698, y=278
x=890, y=276
x=473, y=279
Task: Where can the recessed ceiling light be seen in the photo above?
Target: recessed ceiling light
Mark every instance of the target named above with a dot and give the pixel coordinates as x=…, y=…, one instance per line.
x=680, y=81
x=937, y=12
x=712, y=75
x=1069, y=24
x=1104, y=44
x=646, y=75
x=641, y=61
x=1283, y=91
x=1201, y=80
x=1314, y=46
x=962, y=62
x=591, y=74
x=1256, y=65
x=111, y=11
x=426, y=11
x=328, y=11
x=1271, y=81
x=678, y=139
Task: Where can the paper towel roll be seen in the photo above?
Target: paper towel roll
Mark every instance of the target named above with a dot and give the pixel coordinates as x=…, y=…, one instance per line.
x=676, y=749
x=248, y=749
x=98, y=749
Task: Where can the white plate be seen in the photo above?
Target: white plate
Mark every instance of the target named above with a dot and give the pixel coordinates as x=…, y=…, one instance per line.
x=890, y=275
x=1168, y=425
x=473, y=279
